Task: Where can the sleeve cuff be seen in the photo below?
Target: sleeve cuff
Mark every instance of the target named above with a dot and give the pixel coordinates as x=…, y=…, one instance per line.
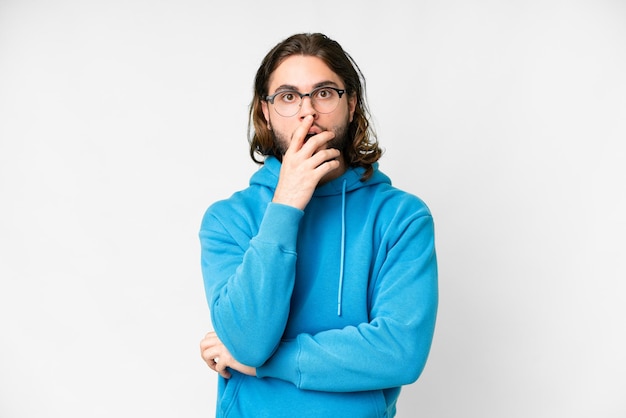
x=283, y=364
x=280, y=225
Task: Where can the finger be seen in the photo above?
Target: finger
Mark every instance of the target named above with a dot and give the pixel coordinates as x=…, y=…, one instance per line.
x=222, y=369
x=320, y=139
x=298, y=136
x=318, y=142
x=213, y=366
x=208, y=341
x=326, y=167
x=324, y=156
x=210, y=355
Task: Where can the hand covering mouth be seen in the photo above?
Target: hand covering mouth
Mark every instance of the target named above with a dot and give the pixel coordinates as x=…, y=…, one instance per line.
x=313, y=131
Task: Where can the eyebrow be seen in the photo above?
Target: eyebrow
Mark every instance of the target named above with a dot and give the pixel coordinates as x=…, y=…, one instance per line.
x=284, y=87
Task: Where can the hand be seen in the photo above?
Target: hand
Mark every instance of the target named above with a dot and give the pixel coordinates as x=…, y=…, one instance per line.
x=304, y=165
x=219, y=359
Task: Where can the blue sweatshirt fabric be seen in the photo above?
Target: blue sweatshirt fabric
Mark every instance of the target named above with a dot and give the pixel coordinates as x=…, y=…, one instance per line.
x=335, y=305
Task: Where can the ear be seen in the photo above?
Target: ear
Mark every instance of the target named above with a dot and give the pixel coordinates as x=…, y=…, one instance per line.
x=352, y=105
x=266, y=114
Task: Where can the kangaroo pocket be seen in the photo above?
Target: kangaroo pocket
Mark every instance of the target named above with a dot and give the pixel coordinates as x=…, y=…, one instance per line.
x=246, y=396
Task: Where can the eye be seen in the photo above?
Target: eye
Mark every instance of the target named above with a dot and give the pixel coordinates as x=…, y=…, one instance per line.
x=324, y=93
x=288, y=97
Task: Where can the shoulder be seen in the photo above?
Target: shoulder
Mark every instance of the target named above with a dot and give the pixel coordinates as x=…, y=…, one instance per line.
x=393, y=201
x=390, y=198
x=244, y=207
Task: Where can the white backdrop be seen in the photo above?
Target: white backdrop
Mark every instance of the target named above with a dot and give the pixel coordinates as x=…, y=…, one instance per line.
x=121, y=121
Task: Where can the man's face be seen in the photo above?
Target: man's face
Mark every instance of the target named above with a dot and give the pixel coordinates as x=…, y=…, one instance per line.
x=303, y=74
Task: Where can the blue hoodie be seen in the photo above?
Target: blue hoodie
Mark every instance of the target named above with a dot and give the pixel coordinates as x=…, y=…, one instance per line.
x=335, y=305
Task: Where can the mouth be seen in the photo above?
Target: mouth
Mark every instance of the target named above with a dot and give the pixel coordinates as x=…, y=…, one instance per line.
x=312, y=132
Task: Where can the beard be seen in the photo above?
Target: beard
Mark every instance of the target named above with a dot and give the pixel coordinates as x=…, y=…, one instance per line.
x=340, y=141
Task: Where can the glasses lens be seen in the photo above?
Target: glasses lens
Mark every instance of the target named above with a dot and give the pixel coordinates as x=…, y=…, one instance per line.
x=287, y=103
x=323, y=100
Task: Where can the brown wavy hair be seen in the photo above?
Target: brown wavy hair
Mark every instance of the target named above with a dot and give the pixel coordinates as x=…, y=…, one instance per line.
x=363, y=150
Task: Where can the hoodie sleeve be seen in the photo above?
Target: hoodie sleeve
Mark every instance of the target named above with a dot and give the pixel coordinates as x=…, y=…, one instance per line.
x=391, y=349
x=249, y=279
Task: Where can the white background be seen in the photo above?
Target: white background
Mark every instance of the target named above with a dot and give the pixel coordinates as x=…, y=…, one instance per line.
x=121, y=121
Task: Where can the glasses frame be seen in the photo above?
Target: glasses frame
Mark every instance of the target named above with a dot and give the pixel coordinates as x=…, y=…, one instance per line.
x=340, y=92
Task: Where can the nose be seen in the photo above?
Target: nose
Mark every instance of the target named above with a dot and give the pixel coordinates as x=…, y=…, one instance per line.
x=306, y=108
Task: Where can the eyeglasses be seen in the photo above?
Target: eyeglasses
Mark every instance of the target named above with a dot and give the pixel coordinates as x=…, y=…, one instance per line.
x=288, y=102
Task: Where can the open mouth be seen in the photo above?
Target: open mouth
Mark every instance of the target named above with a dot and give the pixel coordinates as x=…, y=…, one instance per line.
x=306, y=138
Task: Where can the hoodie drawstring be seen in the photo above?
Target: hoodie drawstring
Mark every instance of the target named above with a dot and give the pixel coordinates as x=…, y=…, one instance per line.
x=343, y=247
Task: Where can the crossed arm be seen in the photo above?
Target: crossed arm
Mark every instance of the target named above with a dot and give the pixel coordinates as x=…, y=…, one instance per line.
x=398, y=335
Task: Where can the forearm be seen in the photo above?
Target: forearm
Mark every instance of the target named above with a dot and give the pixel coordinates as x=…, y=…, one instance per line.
x=368, y=357
x=389, y=351
x=249, y=289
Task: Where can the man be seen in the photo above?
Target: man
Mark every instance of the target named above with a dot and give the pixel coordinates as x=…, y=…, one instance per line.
x=320, y=276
